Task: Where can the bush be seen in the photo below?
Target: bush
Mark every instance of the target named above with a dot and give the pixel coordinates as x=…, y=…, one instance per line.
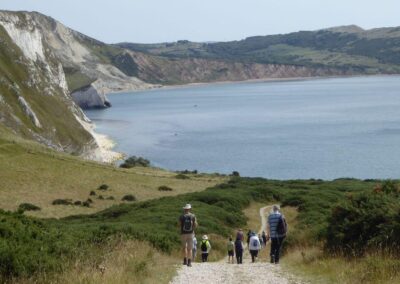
x=181, y=176
x=92, y=193
x=134, y=162
x=62, y=202
x=85, y=204
x=28, y=207
x=164, y=188
x=235, y=174
x=78, y=203
x=89, y=200
x=103, y=187
x=100, y=197
x=187, y=172
x=129, y=197
x=110, y=198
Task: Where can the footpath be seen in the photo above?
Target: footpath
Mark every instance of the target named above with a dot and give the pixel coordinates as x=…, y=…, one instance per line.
x=223, y=272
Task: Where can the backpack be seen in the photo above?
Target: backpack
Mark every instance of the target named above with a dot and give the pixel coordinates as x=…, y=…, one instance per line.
x=187, y=224
x=231, y=246
x=255, y=243
x=282, y=226
x=204, y=245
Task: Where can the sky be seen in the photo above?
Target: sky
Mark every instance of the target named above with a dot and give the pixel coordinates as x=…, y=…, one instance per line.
x=150, y=21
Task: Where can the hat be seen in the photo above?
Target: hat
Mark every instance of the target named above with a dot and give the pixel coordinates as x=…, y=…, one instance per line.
x=187, y=207
x=205, y=237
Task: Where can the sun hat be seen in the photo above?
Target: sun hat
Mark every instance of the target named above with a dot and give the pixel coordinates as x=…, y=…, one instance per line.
x=205, y=237
x=187, y=207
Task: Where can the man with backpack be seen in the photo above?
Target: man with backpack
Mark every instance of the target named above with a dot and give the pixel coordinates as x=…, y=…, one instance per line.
x=239, y=249
x=205, y=248
x=188, y=224
x=277, y=229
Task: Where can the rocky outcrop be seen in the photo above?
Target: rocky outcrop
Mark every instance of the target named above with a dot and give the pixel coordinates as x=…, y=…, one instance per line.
x=88, y=97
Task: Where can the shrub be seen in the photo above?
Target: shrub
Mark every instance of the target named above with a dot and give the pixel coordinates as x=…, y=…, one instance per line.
x=103, y=187
x=28, y=207
x=134, y=162
x=62, y=202
x=86, y=204
x=100, y=197
x=187, y=172
x=235, y=174
x=78, y=203
x=89, y=200
x=181, y=176
x=164, y=188
x=92, y=193
x=128, y=197
x=110, y=198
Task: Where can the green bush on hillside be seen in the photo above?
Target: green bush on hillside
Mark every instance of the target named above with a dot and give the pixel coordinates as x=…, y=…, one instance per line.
x=128, y=197
x=164, y=188
x=28, y=207
x=369, y=221
x=134, y=162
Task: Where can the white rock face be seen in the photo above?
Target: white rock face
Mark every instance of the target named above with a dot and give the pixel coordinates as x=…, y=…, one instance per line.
x=28, y=39
x=29, y=112
x=89, y=98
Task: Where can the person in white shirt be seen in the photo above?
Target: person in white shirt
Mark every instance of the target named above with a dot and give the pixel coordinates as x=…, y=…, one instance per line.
x=254, y=246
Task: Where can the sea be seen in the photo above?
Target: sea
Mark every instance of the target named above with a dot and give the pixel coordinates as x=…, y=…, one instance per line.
x=319, y=128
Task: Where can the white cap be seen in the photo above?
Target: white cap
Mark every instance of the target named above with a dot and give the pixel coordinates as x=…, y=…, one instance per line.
x=187, y=207
x=205, y=237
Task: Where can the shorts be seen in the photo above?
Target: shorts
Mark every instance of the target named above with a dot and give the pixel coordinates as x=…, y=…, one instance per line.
x=187, y=240
x=231, y=253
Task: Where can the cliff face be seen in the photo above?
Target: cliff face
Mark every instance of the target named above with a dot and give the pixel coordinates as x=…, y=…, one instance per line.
x=34, y=96
x=193, y=70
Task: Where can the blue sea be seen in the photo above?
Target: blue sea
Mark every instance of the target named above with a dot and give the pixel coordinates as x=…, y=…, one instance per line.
x=321, y=128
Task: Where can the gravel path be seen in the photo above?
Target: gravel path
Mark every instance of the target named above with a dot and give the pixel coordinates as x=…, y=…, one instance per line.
x=223, y=272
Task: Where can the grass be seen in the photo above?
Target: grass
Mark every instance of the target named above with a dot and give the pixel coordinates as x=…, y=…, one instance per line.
x=30, y=173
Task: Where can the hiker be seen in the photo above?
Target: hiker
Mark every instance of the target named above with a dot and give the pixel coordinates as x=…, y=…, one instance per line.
x=264, y=238
x=277, y=229
x=239, y=250
x=205, y=248
x=194, y=250
x=248, y=237
x=231, y=250
x=261, y=240
x=188, y=224
x=254, y=246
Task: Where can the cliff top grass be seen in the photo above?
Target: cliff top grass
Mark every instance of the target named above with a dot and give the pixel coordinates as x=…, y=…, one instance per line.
x=30, y=173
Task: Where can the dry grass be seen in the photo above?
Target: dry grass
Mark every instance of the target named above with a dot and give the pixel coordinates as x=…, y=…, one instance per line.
x=30, y=173
x=127, y=261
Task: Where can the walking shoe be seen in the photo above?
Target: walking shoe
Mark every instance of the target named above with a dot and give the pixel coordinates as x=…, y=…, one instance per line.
x=189, y=262
x=185, y=261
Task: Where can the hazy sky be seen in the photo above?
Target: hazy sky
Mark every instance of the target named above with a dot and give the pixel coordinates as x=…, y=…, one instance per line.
x=207, y=20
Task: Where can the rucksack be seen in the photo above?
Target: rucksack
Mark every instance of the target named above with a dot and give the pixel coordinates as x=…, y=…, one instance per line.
x=203, y=246
x=238, y=245
x=282, y=226
x=255, y=243
x=231, y=246
x=187, y=226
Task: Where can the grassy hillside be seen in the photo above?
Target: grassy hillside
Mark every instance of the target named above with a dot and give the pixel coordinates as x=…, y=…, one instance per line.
x=30, y=173
x=48, y=246
x=349, y=48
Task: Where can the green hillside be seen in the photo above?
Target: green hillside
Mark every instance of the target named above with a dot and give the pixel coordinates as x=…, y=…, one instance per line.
x=365, y=51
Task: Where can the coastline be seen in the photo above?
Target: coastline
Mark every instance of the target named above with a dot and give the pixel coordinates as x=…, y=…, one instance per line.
x=104, y=145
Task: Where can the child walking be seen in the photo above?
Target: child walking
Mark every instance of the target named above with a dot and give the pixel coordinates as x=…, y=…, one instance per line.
x=205, y=248
x=231, y=250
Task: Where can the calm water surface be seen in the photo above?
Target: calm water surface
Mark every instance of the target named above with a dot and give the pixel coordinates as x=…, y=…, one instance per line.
x=326, y=128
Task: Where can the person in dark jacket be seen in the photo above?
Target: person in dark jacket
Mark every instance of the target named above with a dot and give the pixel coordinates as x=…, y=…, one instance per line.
x=239, y=250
